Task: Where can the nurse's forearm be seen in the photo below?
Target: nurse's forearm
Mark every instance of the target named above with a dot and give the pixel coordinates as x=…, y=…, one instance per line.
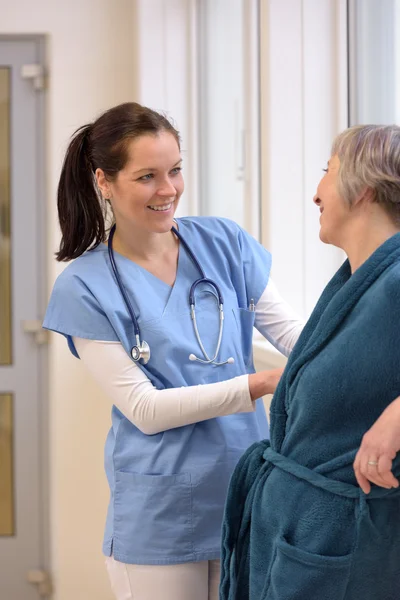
x=158, y=410
x=154, y=411
x=264, y=382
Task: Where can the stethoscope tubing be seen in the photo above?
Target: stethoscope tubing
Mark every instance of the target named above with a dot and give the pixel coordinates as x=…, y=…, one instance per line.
x=120, y=284
x=142, y=351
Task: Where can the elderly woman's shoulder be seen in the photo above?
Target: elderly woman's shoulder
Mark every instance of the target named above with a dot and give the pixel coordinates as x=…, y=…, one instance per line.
x=391, y=281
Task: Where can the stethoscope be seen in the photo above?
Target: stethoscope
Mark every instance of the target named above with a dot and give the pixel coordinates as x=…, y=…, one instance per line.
x=141, y=351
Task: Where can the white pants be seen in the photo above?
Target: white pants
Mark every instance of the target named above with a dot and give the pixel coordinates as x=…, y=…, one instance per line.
x=188, y=581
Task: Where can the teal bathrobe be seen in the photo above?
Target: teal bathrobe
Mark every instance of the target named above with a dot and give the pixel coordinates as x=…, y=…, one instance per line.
x=297, y=526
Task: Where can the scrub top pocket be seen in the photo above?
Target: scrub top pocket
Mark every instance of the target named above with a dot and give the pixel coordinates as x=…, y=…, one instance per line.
x=297, y=574
x=152, y=513
x=245, y=319
x=208, y=498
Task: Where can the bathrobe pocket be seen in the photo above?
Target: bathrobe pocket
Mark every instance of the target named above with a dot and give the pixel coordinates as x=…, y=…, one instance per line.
x=297, y=574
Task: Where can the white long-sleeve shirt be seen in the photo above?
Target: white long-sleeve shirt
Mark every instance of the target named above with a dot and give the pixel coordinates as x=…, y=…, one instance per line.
x=153, y=410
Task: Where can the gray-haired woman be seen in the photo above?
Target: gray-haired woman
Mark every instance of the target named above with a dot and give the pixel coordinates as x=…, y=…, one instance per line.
x=297, y=524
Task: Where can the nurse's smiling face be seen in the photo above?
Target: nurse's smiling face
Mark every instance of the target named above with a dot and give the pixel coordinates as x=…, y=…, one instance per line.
x=146, y=192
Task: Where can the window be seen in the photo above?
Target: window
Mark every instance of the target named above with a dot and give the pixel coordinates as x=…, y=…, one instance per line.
x=374, y=33
x=228, y=118
x=303, y=107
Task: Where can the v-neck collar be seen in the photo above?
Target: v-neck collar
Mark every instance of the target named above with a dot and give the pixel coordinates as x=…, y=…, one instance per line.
x=148, y=273
x=170, y=297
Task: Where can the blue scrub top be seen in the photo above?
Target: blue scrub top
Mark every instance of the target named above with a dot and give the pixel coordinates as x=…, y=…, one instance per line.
x=168, y=490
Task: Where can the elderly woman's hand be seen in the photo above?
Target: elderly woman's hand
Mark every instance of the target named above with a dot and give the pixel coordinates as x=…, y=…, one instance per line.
x=379, y=446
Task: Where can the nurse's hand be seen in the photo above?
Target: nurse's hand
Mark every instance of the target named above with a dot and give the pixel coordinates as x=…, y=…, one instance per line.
x=379, y=446
x=264, y=382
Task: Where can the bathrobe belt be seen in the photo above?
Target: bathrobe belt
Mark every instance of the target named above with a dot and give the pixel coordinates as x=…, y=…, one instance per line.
x=321, y=481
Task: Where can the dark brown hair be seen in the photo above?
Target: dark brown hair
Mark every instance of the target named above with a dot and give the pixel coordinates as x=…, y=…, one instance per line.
x=99, y=145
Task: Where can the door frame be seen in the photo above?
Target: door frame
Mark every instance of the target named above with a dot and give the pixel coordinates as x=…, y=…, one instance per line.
x=40, y=41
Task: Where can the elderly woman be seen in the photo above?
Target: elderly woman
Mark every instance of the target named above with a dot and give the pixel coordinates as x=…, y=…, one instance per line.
x=299, y=524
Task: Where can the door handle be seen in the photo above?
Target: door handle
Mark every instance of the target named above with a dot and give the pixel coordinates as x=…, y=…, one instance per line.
x=42, y=580
x=34, y=327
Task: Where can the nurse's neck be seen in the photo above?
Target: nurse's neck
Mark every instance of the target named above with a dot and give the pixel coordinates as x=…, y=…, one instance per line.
x=143, y=246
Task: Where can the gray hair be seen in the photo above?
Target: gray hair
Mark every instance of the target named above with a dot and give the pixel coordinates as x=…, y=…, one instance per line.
x=369, y=157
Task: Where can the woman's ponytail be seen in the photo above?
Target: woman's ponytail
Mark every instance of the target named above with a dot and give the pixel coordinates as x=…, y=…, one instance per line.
x=102, y=145
x=81, y=217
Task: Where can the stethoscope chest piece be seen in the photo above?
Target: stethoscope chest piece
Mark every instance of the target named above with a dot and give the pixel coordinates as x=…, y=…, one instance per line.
x=141, y=352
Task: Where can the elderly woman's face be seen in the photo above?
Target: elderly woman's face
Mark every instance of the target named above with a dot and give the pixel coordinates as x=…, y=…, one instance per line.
x=334, y=211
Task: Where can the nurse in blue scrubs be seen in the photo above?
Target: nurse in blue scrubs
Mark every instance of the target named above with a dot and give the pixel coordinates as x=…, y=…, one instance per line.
x=174, y=359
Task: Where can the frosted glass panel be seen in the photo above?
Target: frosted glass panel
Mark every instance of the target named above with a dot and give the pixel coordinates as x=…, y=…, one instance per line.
x=6, y=466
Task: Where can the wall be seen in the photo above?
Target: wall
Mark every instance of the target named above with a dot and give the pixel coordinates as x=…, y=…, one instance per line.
x=91, y=67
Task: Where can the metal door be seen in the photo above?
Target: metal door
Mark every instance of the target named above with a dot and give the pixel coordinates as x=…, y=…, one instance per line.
x=22, y=353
